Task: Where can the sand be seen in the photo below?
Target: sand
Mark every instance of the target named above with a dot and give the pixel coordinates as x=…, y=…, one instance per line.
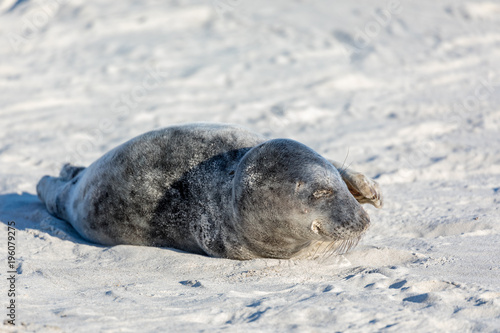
x=406, y=92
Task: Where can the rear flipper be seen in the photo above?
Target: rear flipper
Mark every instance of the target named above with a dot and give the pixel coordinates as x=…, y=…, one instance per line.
x=53, y=191
x=69, y=171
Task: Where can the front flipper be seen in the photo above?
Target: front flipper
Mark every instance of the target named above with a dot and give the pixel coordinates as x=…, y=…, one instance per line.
x=363, y=188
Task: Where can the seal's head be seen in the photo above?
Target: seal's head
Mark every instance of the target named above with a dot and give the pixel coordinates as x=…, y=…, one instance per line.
x=285, y=196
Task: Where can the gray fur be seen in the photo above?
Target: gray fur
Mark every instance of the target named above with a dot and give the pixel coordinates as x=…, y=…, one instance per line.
x=219, y=190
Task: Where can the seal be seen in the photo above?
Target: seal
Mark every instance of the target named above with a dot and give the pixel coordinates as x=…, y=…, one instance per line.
x=213, y=189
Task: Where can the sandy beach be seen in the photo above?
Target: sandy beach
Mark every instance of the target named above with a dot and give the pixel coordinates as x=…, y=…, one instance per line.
x=406, y=92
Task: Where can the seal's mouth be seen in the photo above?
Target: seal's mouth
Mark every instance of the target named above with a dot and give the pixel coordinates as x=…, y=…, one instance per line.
x=339, y=241
x=339, y=233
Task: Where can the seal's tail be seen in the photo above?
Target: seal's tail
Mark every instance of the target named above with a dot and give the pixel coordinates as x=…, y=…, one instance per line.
x=49, y=189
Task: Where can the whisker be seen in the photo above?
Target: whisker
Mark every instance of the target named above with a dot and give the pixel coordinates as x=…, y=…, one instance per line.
x=333, y=249
x=327, y=251
x=344, y=246
x=345, y=159
x=344, y=170
x=341, y=248
x=318, y=245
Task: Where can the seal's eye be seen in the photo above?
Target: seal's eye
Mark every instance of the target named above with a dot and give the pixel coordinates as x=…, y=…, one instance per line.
x=322, y=193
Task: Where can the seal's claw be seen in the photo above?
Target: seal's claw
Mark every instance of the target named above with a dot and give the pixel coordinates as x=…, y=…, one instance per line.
x=367, y=190
x=363, y=188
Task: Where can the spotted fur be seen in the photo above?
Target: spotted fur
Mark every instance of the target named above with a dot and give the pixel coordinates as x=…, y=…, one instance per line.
x=211, y=189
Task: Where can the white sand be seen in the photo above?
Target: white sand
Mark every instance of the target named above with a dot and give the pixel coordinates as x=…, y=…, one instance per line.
x=414, y=102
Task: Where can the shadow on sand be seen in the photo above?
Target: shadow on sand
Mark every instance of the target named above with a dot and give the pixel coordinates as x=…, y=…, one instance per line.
x=28, y=212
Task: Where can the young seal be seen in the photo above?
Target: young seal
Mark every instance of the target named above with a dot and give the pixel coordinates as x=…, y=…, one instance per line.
x=211, y=189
